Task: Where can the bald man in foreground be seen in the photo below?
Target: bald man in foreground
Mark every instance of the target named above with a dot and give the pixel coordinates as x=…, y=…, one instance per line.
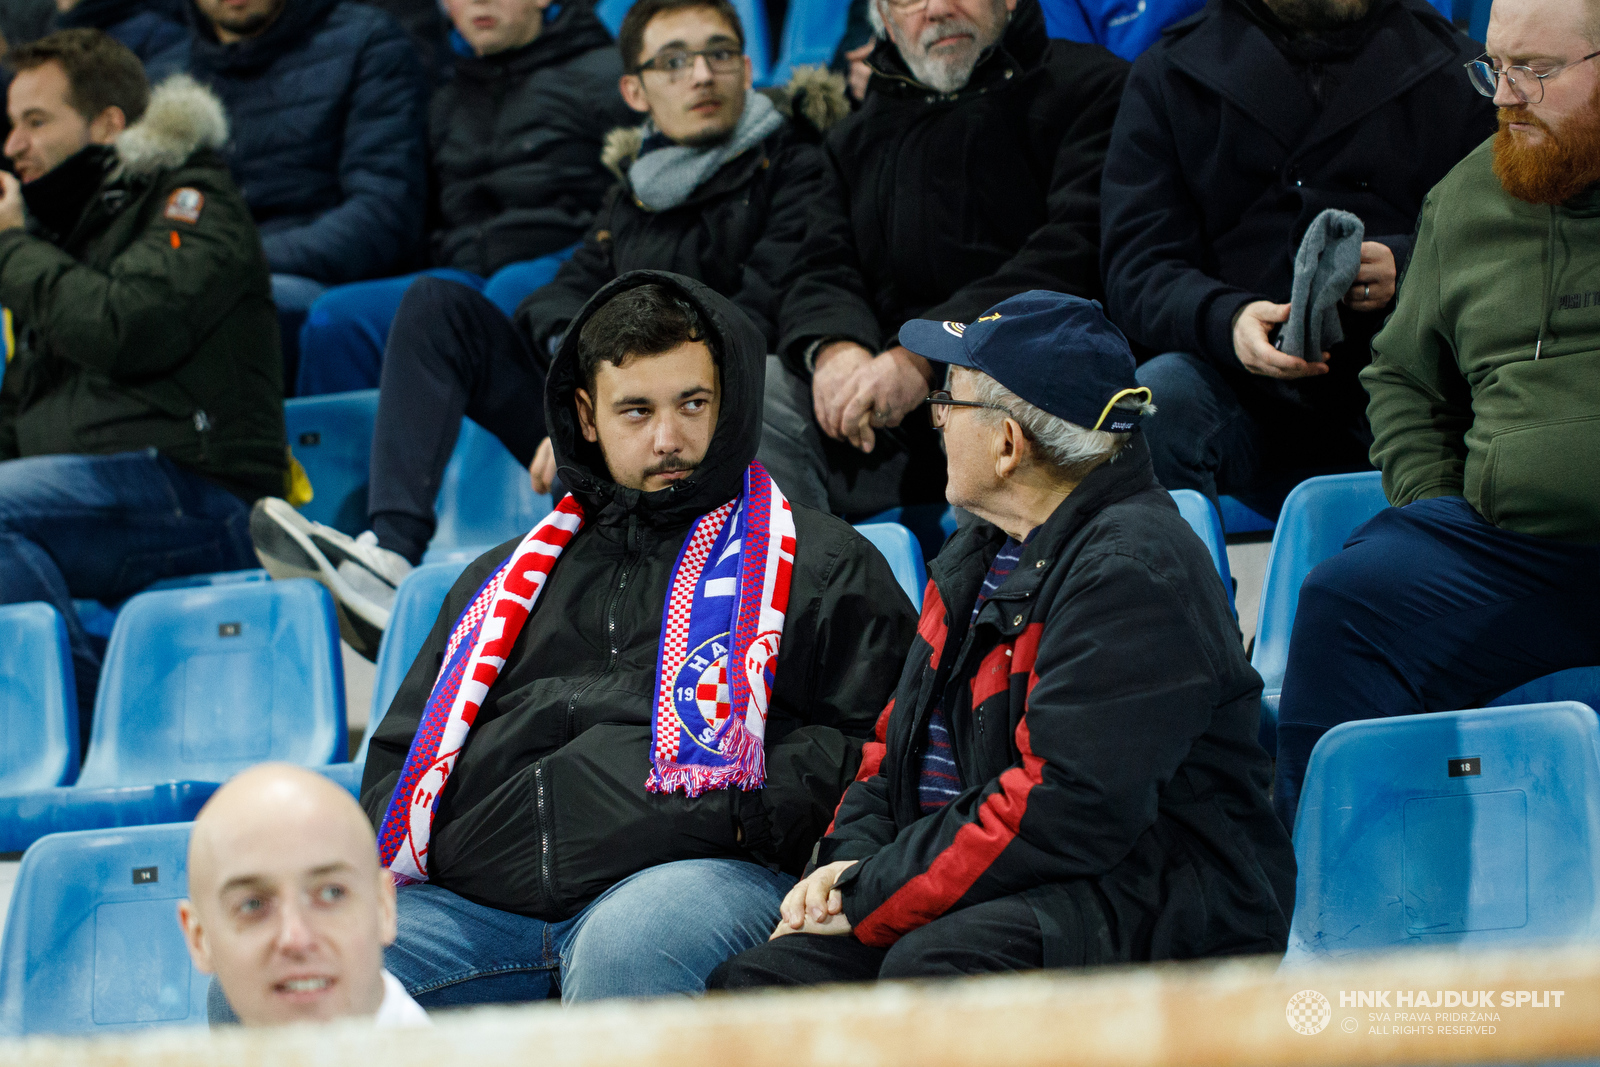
x=288, y=906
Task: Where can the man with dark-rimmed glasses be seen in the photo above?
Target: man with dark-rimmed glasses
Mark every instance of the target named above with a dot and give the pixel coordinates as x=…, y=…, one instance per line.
x=1485, y=388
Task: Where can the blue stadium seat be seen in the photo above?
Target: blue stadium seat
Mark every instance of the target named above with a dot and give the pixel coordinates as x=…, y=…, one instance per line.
x=899, y=546
x=197, y=684
x=1317, y=518
x=752, y=13
x=416, y=606
x=930, y=524
x=1467, y=829
x=1207, y=525
x=811, y=34
x=1238, y=518
x=38, y=700
x=331, y=436
x=92, y=942
x=190, y=581
x=1478, y=19
x=485, y=498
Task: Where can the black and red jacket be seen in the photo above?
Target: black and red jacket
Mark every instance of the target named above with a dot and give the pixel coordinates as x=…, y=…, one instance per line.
x=1103, y=718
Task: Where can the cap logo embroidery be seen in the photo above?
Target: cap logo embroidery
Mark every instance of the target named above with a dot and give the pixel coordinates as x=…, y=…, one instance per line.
x=184, y=205
x=955, y=328
x=990, y=318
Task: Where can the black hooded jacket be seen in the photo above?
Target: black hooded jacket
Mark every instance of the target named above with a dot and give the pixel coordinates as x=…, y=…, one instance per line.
x=515, y=145
x=547, y=807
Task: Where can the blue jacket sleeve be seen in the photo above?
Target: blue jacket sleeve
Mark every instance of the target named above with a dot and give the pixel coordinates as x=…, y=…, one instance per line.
x=382, y=173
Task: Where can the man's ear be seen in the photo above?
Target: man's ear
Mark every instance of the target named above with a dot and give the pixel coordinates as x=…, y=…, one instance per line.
x=586, y=416
x=108, y=125
x=1011, y=446
x=388, y=912
x=631, y=86
x=194, y=937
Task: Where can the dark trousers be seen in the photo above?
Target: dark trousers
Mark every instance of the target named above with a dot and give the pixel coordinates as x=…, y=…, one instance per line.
x=996, y=936
x=905, y=467
x=1203, y=438
x=451, y=352
x=1429, y=608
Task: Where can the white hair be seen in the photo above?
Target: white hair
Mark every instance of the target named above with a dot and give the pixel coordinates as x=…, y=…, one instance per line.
x=1074, y=450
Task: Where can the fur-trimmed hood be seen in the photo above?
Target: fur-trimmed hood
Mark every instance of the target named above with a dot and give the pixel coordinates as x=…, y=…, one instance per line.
x=182, y=118
x=814, y=96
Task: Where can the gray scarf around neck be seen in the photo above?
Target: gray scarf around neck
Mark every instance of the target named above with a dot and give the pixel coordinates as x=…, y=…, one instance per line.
x=663, y=178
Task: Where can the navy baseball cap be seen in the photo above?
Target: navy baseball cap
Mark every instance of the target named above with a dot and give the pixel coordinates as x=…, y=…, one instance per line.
x=1059, y=353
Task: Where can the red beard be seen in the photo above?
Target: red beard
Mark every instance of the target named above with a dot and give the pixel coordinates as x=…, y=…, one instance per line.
x=1559, y=167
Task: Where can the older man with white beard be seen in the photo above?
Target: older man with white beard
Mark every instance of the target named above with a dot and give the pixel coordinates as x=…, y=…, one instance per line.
x=1485, y=407
x=971, y=174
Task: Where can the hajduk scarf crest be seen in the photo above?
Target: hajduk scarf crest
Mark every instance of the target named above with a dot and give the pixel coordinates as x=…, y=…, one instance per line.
x=720, y=632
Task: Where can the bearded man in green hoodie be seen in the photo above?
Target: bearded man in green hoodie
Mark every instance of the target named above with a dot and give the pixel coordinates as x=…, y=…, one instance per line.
x=1485, y=411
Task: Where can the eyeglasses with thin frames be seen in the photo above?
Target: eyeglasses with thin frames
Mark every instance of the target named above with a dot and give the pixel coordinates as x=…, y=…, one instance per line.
x=1526, y=83
x=940, y=402
x=677, y=63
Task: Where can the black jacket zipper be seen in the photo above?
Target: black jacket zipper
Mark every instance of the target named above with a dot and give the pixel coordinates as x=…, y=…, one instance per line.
x=628, y=553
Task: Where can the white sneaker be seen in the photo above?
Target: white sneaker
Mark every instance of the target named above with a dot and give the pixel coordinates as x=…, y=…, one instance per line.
x=361, y=576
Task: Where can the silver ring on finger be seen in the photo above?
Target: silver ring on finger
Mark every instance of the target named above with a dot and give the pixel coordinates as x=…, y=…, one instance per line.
x=1366, y=292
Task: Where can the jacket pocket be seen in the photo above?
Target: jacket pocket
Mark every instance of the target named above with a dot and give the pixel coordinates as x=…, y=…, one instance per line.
x=1544, y=479
x=493, y=853
x=604, y=824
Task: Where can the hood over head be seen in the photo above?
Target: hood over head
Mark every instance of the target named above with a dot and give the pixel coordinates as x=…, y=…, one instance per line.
x=741, y=354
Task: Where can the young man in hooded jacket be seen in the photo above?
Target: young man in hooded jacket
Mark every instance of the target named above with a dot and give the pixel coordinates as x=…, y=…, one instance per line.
x=715, y=186
x=143, y=411
x=607, y=789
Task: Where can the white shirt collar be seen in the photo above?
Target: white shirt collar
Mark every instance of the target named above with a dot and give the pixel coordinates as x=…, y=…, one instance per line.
x=398, y=1010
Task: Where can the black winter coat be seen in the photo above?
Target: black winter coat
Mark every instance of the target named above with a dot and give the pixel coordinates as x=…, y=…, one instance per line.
x=738, y=232
x=515, y=141
x=327, y=116
x=1103, y=719
x=940, y=205
x=547, y=807
x=1221, y=159
x=142, y=325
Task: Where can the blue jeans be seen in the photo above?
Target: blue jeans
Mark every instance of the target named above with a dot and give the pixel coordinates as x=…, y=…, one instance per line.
x=1201, y=437
x=1430, y=607
x=103, y=528
x=293, y=296
x=663, y=930
x=344, y=335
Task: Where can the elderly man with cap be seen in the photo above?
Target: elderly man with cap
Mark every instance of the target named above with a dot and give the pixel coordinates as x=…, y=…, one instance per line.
x=1068, y=773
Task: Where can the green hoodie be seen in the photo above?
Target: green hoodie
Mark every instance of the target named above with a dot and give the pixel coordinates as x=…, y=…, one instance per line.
x=1485, y=383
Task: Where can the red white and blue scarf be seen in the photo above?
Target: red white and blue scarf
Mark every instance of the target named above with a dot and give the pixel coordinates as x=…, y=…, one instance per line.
x=720, y=632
